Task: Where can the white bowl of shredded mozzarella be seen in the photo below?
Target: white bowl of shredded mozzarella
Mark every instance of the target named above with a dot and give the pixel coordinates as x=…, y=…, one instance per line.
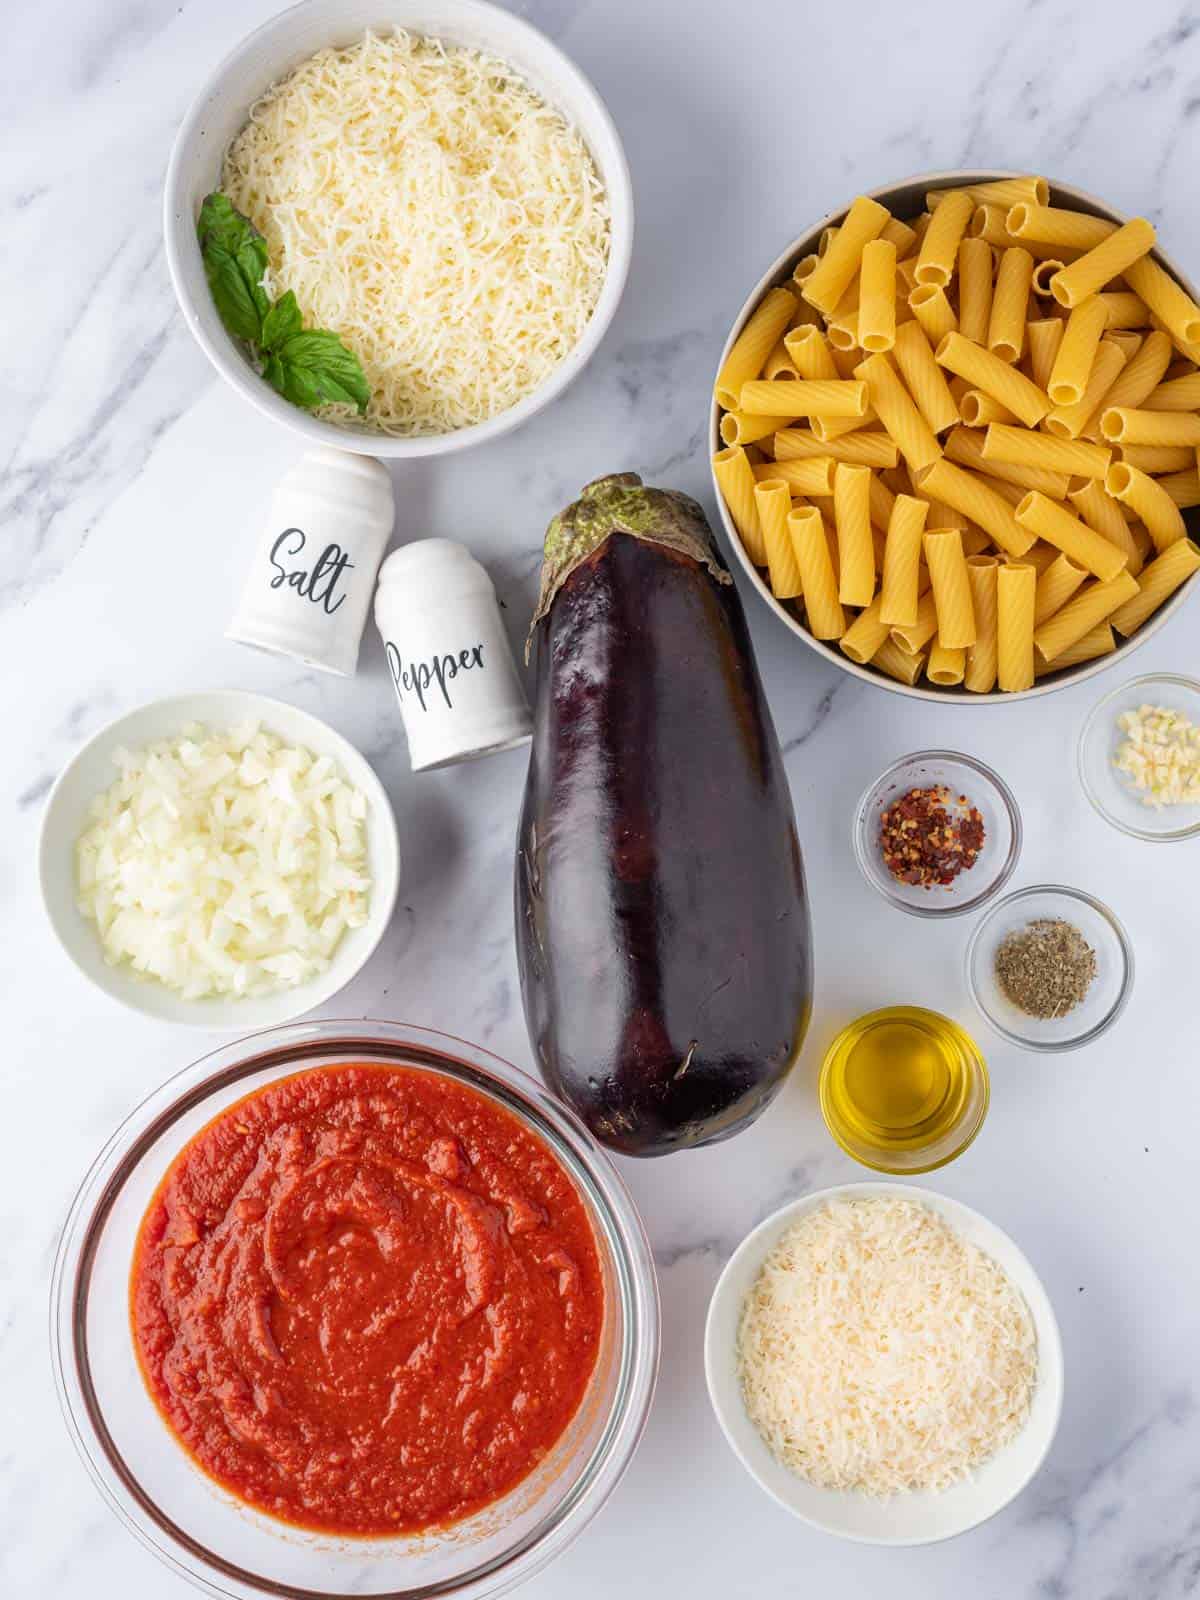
x=885, y=1363
x=439, y=185
x=220, y=859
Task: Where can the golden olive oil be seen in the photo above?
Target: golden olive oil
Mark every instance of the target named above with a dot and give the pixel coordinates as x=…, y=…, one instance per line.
x=903, y=1089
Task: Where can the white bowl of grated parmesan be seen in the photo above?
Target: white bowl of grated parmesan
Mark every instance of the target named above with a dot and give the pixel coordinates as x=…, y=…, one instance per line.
x=885, y=1363
x=438, y=185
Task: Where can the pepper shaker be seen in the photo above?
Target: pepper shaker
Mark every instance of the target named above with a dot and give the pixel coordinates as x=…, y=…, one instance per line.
x=309, y=588
x=448, y=654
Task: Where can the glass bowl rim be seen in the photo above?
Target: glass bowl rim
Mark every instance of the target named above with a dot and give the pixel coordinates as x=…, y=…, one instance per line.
x=292, y=1045
x=1169, y=836
x=931, y=1166
x=1053, y=1046
x=1007, y=867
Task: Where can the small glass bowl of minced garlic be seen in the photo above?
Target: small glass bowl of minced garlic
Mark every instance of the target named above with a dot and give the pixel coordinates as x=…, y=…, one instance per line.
x=1139, y=757
x=1051, y=968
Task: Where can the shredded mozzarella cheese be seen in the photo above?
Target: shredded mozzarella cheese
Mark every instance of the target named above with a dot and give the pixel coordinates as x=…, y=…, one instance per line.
x=1161, y=754
x=225, y=864
x=427, y=206
x=880, y=1351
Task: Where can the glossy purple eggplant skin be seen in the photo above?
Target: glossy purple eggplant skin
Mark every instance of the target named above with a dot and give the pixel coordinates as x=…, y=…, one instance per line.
x=662, y=922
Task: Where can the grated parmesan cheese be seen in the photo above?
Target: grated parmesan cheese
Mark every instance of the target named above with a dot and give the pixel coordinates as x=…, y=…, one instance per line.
x=431, y=209
x=880, y=1351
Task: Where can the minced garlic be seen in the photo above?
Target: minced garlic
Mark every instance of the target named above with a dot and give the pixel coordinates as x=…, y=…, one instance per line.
x=1161, y=754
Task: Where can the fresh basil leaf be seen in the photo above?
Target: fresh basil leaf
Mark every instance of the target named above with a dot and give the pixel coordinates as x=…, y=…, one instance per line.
x=235, y=259
x=221, y=224
x=281, y=322
x=273, y=372
x=232, y=296
x=298, y=387
x=326, y=363
x=252, y=264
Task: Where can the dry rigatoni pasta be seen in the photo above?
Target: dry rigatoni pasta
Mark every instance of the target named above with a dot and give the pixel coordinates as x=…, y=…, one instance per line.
x=774, y=502
x=1055, y=587
x=916, y=635
x=938, y=445
x=951, y=591
x=1147, y=500
x=1103, y=262
x=985, y=371
x=1132, y=425
x=930, y=306
x=877, y=296
x=1043, y=338
x=979, y=501
x=1125, y=309
x=735, y=478
x=852, y=519
x=1051, y=521
x=939, y=248
x=901, y=589
x=903, y=665
x=974, y=290
x=864, y=635
x=1095, y=506
x=738, y=427
x=1024, y=447
x=1052, y=225
x=1157, y=581
x=977, y=409
x=811, y=476
x=1010, y=302
x=832, y=397
x=826, y=619
x=1068, y=422
x=1016, y=590
x=865, y=220
x=1175, y=309
x=980, y=674
x=764, y=328
x=924, y=379
x=1098, y=642
x=896, y=409
x=1077, y=353
x=1093, y=604
x=863, y=449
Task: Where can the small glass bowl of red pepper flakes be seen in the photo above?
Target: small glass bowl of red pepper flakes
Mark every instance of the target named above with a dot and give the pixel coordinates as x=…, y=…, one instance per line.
x=937, y=834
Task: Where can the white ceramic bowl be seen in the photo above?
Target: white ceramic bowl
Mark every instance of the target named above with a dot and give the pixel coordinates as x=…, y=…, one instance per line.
x=90, y=771
x=917, y=1518
x=906, y=199
x=219, y=113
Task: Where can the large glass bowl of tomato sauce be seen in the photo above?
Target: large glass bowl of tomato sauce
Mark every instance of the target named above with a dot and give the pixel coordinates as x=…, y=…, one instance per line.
x=201, y=1529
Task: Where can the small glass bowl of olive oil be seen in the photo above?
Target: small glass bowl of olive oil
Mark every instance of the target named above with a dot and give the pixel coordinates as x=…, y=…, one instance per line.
x=904, y=1090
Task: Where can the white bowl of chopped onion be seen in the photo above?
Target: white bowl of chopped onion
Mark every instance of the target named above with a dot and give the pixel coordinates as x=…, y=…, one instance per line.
x=220, y=859
x=462, y=217
x=913, y=1338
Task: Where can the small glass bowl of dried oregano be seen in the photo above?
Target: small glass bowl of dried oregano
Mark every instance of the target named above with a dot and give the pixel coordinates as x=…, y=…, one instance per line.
x=1050, y=967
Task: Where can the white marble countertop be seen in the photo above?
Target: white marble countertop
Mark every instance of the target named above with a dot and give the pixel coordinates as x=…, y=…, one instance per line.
x=132, y=482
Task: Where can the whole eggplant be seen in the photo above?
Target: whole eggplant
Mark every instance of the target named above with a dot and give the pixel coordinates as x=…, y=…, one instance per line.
x=661, y=916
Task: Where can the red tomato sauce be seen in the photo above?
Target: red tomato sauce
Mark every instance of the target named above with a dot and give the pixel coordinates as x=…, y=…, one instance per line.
x=367, y=1300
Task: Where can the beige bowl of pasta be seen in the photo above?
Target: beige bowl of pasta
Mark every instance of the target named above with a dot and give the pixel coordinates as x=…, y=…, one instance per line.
x=954, y=436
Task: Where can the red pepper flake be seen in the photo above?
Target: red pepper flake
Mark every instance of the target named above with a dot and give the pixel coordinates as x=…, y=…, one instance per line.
x=927, y=837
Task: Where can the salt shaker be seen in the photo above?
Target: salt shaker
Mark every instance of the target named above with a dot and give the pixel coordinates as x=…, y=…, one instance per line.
x=449, y=656
x=313, y=572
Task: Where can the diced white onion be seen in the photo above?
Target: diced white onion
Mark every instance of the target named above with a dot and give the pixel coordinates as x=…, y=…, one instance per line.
x=225, y=863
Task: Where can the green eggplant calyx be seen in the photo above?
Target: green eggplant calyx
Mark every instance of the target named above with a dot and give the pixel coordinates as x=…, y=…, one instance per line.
x=621, y=503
